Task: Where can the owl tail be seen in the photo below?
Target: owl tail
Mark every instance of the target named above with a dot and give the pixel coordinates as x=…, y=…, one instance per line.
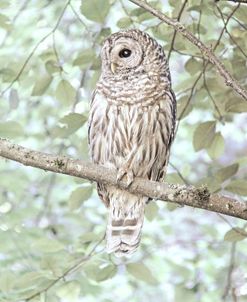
x=125, y=220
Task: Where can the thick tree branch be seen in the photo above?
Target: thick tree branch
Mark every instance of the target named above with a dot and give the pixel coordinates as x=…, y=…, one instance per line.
x=206, y=51
x=183, y=195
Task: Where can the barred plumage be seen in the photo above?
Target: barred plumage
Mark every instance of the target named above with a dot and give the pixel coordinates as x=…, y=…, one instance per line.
x=131, y=127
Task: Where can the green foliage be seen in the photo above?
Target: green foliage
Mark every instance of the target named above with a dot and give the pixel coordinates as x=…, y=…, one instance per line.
x=50, y=224
x=235, y=234
x=99, y=11
x=141, y=272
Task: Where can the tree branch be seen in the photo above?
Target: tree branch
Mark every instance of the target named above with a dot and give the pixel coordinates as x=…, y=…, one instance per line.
x=183, y=195
x=236, y=1
x=206, y=51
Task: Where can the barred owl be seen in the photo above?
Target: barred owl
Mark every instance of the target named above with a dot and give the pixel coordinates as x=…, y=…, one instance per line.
x=131, y=128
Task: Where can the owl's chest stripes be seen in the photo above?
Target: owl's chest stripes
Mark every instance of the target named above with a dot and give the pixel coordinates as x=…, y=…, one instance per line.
x=122, y=132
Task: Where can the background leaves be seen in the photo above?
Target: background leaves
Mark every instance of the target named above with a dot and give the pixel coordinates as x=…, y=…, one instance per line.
x=50, y=224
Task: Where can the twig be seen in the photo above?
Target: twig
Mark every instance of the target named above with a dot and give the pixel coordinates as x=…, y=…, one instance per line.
x=79, y=18
x=175, y=32
x=180, y=194
x=179, y=174
x=206, y=51
x=212, y=98
x=22, y=8
x=230, y=270
x=70, y=270
x=204, y=69
x=34, y=50
x=230, y=36
x=235, y=1
x=126, y=12
x=199, y=21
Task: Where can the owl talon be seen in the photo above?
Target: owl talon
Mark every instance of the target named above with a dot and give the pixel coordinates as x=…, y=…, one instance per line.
x=128, y=175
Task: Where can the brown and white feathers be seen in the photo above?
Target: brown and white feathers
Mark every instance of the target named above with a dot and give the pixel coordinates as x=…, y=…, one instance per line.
x=131, y=128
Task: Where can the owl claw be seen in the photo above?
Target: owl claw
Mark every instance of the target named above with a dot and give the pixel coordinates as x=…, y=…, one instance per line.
x=129, y=176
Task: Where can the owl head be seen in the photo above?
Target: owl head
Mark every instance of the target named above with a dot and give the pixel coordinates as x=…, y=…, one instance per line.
x=130, y=51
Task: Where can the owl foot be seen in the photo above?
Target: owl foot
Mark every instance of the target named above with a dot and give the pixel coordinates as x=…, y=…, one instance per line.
x=127, y=174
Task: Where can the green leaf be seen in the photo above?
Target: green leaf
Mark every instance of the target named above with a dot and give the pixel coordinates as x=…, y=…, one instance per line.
x=73, y=121
x=78, y=196
x=7, y=282
x=236, y=105
x=235, y=234
x=52, y=66
x=95, y=10
x=193, y=66
x=41, y=85
x=11, y=129
x=4, y=3
x=106, y=272
x=30, y=280
x=124, y=22
x=141, y=272
x=5, y=22
x=105, y=32
x=85, y=58
x=241, y=14
x=217, y=146
x=151, y=210
x=137, y=11
x=65, y=92
x=144, y=17
x=69, y=291
x=70, y=124
x=46, y=245
x=99, y=274
x=204, y=135
x=226, y=172
x=238, y=187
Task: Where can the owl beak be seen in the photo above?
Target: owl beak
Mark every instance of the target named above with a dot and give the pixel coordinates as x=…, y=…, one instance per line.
x=113, y=67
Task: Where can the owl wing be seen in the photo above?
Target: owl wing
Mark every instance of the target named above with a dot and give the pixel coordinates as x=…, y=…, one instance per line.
x=92, y=131
x=173, y=103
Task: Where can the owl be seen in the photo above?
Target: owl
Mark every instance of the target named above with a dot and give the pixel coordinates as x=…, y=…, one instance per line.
x=131, y=128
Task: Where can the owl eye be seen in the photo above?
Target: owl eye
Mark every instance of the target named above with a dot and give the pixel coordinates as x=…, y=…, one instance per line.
x=124, y=53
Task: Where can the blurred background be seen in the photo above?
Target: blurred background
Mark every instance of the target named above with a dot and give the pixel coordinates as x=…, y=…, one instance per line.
x=51, y=226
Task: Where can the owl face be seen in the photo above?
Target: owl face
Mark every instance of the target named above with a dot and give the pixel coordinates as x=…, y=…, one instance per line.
x=122, y=52
x=131, y=53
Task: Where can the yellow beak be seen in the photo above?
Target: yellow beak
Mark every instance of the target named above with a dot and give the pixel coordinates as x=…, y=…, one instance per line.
x=113, y=67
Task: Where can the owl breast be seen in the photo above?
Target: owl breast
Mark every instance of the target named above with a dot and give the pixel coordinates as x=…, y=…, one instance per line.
x=136, y=132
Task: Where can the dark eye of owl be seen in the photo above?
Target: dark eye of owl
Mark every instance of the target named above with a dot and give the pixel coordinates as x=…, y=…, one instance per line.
x=124, y=53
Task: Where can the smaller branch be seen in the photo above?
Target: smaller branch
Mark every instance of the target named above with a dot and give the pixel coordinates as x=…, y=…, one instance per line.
x=235, y=1
x=179, y=174
x=127, y=13
x=225, y=26
x=69, y=271
x=206, y=51
x=230, y=36
x=199, y=21
x=34, y=50
x=187, y=54
x=79, y=18
x=212, y=98
x=175, y=32
x=22, y=8
x=230, y=271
